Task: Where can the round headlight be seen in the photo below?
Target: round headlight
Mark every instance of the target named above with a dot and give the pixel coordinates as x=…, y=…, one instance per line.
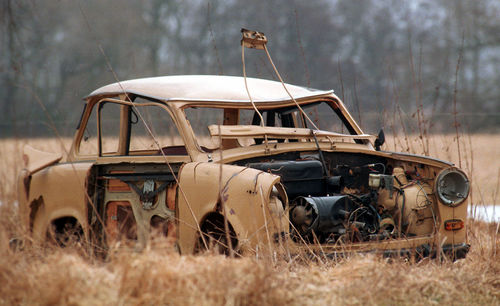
x=278, y=200
x=452, y=187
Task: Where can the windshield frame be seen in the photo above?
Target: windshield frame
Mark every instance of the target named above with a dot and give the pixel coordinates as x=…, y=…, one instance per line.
x=286, y=107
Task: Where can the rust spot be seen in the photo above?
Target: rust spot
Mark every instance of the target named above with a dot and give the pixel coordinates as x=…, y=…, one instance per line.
x=171, y=195
x=115, y=185
x=34, y=206
x=120, y=221
x=172, y=230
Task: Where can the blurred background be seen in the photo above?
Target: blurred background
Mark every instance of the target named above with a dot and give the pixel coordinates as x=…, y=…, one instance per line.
x=408, y=65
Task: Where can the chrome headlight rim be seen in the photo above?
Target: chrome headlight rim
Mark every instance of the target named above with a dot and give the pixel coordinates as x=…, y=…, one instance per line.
x=452, y=187
x=278, y=193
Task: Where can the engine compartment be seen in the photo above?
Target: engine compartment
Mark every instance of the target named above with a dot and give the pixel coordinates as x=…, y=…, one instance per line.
x=337, y=197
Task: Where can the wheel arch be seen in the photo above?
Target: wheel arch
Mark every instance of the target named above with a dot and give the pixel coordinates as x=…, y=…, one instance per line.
x=55, y=192
x=42, y=220
x=215, y=221
x=208, y=187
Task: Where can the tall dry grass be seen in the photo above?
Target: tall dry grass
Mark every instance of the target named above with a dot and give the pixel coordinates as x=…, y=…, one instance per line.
x=158, y=275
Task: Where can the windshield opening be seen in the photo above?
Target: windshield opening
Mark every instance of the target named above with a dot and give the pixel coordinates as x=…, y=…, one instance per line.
x=201, y=118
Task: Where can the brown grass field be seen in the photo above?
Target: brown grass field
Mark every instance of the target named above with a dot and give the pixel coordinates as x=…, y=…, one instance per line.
x=47, y=276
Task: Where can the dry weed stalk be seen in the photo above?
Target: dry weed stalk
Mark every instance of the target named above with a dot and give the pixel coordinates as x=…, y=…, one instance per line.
x=455, y=91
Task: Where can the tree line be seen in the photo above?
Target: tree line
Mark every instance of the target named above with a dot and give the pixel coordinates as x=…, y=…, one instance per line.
x=393, y=62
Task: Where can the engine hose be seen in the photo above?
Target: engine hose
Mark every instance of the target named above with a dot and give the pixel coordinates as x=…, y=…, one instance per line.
x=380, y=164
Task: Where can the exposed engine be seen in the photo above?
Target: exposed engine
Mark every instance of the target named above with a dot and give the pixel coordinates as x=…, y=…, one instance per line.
x=330, y=218
x=340, y=198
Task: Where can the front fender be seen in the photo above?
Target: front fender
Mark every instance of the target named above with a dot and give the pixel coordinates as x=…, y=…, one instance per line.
x=206, y=187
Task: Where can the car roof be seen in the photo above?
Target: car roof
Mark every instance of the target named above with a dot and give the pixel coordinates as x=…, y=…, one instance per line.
x=207, y=88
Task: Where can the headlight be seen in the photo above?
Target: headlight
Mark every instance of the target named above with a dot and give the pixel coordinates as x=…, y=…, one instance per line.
x=275, y=203
x=452, y=187
x=278, y=200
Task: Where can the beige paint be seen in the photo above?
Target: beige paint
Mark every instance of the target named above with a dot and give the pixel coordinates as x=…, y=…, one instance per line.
x=245, y=192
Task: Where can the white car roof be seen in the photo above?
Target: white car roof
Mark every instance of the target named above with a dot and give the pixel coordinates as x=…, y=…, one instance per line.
x=207, y=88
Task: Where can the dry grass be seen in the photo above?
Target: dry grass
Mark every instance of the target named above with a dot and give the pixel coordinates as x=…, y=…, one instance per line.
x=158, y=276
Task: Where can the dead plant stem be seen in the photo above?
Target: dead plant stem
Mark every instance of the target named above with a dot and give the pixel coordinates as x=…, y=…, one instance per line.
x=299, y=41
x=455, y=91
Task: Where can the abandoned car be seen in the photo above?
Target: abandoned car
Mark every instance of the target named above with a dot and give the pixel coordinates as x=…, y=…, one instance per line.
x=196, y=159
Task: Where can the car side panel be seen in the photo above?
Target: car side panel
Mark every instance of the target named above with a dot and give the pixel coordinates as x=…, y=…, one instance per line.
x=57, y=191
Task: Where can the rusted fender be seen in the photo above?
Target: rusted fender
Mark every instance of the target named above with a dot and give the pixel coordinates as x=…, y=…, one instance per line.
x=56, y=191
x=205, y=187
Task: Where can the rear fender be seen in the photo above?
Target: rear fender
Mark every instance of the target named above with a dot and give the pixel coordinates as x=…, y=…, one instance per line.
x=62, y=190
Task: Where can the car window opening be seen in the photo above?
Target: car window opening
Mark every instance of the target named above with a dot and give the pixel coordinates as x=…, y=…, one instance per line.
x=126, y=130
x=201, y=118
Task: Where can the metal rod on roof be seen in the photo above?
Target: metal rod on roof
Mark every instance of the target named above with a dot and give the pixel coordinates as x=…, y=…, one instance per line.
x=257, y=40
x=246, y=41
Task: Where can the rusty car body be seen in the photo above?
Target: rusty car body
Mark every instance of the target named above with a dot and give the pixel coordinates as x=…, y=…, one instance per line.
x=192, y=157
